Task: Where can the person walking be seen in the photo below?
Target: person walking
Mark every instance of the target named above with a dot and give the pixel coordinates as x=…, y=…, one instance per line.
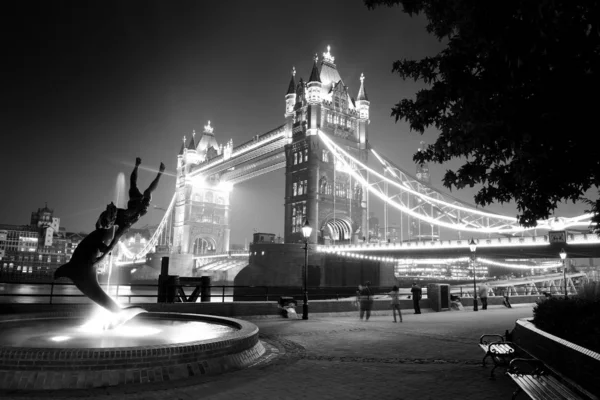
x=505, y=299
x=395, y=303
x=366, y=301
x=483, y=294
x=416, y=297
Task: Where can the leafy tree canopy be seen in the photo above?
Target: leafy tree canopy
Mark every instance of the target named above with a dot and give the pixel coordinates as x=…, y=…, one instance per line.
x=515, y=92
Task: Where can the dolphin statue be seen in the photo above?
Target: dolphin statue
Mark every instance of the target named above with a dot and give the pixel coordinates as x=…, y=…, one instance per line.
x=81, y=268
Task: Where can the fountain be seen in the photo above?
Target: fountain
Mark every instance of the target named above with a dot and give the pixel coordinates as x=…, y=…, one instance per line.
x=67, y=350
x=60, y=351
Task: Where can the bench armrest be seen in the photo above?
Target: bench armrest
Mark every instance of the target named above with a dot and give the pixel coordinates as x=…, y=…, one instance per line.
x=484, y=338
x=494, y=345
x=527, y=366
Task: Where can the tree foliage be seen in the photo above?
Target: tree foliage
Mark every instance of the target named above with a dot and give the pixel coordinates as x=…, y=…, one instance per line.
x=515, y=93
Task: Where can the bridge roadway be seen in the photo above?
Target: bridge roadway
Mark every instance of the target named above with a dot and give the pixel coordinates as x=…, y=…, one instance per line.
x=577, y=246
x=428, y=356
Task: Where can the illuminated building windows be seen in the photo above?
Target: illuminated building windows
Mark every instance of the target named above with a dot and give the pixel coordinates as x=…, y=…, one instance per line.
x=305, y=155
x=299, y=188
x=298, y=216
x=340, y=190
x=295, y=158
x=300, y=156
x=329, y=118
x=336, y=119
x=348, y=123
x=325, y=156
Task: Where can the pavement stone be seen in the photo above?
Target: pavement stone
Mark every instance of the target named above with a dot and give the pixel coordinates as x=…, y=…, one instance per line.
x=428, y=356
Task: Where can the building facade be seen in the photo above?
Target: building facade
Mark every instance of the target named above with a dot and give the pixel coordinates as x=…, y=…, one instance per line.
x=319, y=189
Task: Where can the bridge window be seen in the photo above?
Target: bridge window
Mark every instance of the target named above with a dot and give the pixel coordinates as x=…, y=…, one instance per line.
x=295, y=158
x=298, y=216
x=305, y=155
x=217, y=219
x=325, y=156
x=340, y=190
x=348, y=123
x=208, y=197
x=206, y=218
x=336, y=119
x=329, y=118
x=220, y=200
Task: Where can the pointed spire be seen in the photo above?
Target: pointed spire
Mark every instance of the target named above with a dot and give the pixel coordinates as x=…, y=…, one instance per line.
x=192, y=144
x=208, y=129
x=362, y=93
x=292, y=86
x=315, y=74
x=327, y=57
x=182, y=146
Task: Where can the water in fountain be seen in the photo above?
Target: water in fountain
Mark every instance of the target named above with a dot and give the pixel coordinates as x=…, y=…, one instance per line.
x=119, y=201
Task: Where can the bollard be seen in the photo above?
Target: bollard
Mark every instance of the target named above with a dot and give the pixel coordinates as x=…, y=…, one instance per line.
x=205, y=289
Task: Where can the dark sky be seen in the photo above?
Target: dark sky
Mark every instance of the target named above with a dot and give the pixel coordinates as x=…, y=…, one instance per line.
x=91, y=85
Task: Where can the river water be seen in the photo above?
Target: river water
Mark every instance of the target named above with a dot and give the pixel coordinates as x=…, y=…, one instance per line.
x=40, y=293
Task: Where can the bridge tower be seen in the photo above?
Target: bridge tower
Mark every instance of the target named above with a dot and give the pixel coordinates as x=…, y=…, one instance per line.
x=201, y=213
x=318, y=188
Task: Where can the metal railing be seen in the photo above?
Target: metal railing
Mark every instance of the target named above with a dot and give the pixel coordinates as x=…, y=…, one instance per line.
x=230, y=292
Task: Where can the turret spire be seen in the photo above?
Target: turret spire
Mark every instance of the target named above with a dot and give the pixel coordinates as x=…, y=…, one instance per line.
x=327, y=57
x=182, y=146
x=315, y=75
x=208, y=129
x=292, y=85
x=192, y=144
x=362, y=93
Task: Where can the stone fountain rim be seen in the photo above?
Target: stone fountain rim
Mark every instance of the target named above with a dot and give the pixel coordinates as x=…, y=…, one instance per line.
x=247, y=332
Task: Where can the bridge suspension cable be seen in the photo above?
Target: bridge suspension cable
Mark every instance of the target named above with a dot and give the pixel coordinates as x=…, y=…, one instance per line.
x=159, y=230
x=450, y=212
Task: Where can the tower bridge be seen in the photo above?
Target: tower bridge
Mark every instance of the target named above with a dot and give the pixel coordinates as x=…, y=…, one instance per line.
x=332, y=171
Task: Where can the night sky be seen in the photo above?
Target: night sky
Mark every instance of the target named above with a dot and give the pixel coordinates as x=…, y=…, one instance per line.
x=88, y=86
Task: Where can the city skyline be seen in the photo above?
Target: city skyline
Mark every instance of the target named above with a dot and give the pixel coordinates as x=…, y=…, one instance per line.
x=96, y=85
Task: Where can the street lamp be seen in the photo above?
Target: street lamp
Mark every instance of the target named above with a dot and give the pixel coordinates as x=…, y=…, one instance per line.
x=473, y=247
x=306, y=231
x=563, y=255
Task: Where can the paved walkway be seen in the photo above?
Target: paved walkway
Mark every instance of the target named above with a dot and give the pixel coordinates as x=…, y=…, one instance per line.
x=428, y=356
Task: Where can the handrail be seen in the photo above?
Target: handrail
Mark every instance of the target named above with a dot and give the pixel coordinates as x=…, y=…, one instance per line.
x=268, y=293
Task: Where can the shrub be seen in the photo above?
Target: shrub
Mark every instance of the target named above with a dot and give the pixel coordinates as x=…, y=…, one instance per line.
x=576, y=319
x=589, y=291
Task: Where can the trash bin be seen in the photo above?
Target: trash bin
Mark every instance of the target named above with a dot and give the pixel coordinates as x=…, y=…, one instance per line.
x=288, y=307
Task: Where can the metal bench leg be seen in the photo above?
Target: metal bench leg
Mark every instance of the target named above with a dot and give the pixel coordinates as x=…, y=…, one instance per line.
x=483, y=361
x=492, y=377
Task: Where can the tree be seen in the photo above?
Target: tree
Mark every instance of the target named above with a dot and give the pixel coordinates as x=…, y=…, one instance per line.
x=515, y=93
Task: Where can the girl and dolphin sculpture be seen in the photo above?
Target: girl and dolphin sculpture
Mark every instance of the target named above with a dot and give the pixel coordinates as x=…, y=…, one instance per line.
x=111, y=226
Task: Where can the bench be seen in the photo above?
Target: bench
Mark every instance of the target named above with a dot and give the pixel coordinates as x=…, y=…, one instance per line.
x=539, y=382
x=499, y=349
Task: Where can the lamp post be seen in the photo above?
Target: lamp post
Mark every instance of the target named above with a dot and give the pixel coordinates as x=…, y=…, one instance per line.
x=306, y=231
x=563, y=255
x=473, y=247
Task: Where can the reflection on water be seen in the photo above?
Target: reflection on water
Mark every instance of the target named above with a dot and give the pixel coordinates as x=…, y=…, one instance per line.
x=69, y=294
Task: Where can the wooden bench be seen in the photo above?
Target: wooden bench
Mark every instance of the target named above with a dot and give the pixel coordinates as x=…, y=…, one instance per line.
x=499, y=349
x=539, y=382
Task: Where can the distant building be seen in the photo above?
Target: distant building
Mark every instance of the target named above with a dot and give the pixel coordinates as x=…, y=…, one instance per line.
x=36, y=249
x=263, y=238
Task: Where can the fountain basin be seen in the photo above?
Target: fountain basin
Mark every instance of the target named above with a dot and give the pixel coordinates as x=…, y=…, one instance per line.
x=50, y=351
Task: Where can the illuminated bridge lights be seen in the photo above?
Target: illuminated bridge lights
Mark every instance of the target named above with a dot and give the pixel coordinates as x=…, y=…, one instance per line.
x=458, y=244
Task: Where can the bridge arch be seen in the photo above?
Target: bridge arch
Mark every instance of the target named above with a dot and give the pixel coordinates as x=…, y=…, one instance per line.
x=338, y=229
x=203, y=245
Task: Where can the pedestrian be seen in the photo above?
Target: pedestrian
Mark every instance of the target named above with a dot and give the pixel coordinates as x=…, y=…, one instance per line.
x=395, y=303
x=416, y=297
x=483, y=293
x=505, y=299
x=357, y=299
x=366, y=301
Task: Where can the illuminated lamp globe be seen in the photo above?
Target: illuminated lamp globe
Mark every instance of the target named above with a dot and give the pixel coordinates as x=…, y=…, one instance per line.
x=306, y=230
x=562, y=254
x=472, y=246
